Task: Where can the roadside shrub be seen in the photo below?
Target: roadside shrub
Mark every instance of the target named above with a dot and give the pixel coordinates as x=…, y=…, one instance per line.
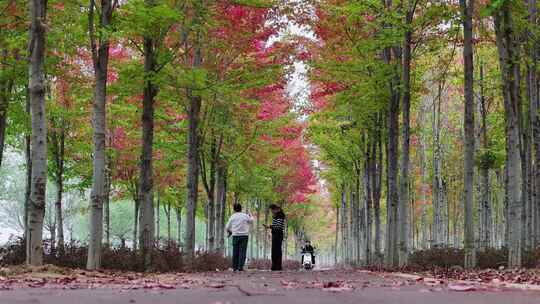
x=266, y=264
x=120, y=258
x=74, y=255
x=13, y=252
x=436, y=258
x=492, y=258
x=531, y=258
x=207, y=261
x=166, y=259
x=291, y=265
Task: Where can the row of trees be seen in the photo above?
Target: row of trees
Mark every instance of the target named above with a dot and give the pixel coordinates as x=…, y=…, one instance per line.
x=398, y=87
x=179, y=97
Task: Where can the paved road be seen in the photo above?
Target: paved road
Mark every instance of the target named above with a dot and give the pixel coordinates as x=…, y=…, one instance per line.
x=276, y=288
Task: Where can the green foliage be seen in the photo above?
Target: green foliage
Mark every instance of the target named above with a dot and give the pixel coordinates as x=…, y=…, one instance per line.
x=488, y=159
x=137, y=18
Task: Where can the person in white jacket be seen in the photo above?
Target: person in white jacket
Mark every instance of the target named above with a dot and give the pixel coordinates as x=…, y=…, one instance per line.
x=238, y=226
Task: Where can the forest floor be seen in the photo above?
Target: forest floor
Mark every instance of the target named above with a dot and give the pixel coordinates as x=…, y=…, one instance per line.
x=309, y=287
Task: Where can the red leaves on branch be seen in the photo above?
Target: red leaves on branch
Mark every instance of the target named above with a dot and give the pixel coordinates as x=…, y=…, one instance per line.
x=322, y=91
x=298, y=181
x=274, y=103
x=119, y=138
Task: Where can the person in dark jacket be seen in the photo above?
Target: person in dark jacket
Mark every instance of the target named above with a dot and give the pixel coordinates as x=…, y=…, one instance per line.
x=278, y=229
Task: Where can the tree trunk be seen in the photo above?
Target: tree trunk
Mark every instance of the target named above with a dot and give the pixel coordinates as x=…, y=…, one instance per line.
x=376, y=172
x=265, y=248
x=58, y=143
x=534, y=118
x=360, y=217
x=368, y=202
x=392, y=238
x=6, y=87
x=258, y=229
x=438, y=231
x=468, y=167
x=526, y=160
x=136, y=208
x=424, y=226
x=336, y=240
x=509, y=62
x=179, y=226
x=354, y=218
x=36, y=87
x=158, y=218
x=146, y=177
x=210, y=209
x=52, y=230
x=194, y=109
x=106, y=205
x=209, y=182
x=486, y=209
x=403, y=207
x=100, y=58
x=28, y=157
x=344, y=225
x=168, y=214
x=221, y=197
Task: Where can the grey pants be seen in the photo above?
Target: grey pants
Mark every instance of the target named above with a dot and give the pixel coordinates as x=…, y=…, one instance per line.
x=240, y=243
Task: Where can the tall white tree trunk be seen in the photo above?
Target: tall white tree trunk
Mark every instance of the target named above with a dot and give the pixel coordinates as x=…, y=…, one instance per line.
x=403, y=207
x=179, y=226
x=146, y=171
x=194, y=109
x=100, y=58
x=376, y=186
x=486, y=222
x=368, y=199
x=221, y=199
x=344, y=225
x=467, y=10
x=509, y=62
x=36, y=89
x=392, y=238
x=534, y=117
x=439, y=208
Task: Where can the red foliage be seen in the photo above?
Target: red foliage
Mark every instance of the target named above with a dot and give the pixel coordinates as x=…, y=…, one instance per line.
x=322, y=91
x=274, y=102
x=298, y=180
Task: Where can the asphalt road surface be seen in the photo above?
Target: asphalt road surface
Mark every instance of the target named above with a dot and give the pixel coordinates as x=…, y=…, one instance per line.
x=330, y=286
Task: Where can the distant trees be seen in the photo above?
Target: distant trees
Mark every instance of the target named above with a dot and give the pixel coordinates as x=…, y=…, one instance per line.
x=403, y=51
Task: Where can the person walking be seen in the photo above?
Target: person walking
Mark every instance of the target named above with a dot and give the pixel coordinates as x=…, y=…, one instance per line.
x=278, y=229
x=238, y=227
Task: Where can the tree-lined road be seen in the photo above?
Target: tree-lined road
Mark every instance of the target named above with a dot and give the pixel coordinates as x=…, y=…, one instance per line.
x=269, y=288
